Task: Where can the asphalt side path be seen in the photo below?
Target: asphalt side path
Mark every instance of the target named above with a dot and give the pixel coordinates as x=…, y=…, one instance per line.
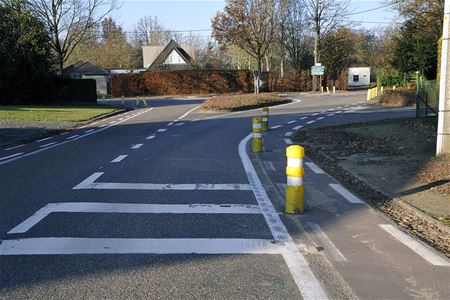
x=170, y=204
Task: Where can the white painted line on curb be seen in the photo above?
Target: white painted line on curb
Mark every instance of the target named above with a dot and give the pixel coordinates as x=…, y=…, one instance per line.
x=297, y=127
x=15, y=147
x=290, y=122
x=325, y=241
x=288, y=141
x=162, y=130
x=11, y=156
x=49, y=144
x=416, y=246
x=66, y=246
x=306, y=282
x=72, y=137
x=311, y=122
x=41, y=140
x=137, y=146
x=150, y=137
x=89, y=183
x=268, y=165
x=346, y=194
x=119, y=158
x=276, y=126
x=289, y=133
x=132, y=208
x=314, y=168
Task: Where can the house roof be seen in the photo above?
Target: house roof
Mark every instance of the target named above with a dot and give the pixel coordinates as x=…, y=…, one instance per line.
x=85, y=68
x=161, y=58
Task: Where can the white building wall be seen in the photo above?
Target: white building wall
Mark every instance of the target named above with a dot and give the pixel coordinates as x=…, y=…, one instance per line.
x=359, y=76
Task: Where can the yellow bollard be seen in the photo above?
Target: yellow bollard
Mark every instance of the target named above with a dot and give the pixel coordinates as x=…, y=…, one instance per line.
x=257, y=135
x=321, y=89
x=328, y=90
x=368, y=95
x=294, y=188
x=382, y=91
x=334, y=90
x=265, y=119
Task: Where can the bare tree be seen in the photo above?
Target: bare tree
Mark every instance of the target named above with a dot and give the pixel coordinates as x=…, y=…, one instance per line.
x=150, y=32
x=67, y=21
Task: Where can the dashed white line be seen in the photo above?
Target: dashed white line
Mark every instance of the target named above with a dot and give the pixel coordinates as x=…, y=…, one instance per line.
x=304, y=118
x=311, y=122
x=137, y=146
x=316, y=114
x=297, y=127
x=276, y=126
x=329, y=115
x=415, y=246
x=328, y=245
x=49, y=144
x=179, y=124
x=15, y=147
x=104, y=125
x=119, y=158
x=41, y=140
x=162, y=130
x=151, y=137
x=72, y=137
x=314, y=168
x=269, y=166
x=320, y=118
x=170, y=124
x=112, y=122
x=290, y=122
x=11, y=156
x=289, y=133
x=90, y=130
x=346, y=194
x=288, y=141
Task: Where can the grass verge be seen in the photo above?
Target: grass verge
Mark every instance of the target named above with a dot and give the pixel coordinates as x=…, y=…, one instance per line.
x=238, y=102
x=52, y=113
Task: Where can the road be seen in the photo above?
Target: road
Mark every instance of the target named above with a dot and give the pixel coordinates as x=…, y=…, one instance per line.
x=168, y=202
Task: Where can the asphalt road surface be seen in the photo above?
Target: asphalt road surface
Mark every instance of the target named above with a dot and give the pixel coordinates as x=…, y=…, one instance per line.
x=167, y=202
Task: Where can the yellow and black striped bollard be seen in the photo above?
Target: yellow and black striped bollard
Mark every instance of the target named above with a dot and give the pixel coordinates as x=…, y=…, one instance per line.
x=265, y=119
x=257, y=135
x=294, y=187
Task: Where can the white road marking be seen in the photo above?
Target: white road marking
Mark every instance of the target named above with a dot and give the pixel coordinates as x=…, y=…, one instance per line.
x=346, y=194
x=316, y=114
x=119, y=158
x=90, y=130
x=46, y=139
x=49, y=144
x=15, y=147
x=72, y=137
x=320, y=118
x=289, y=133
x=297, y=127
x=288, y=141
x=65, y=246
x=339, y=107
x=137, y=146
x=188, y=112
x=104, y=125
x=311, y=122
x=162, y=130
x=304, y=278
x=150, y=137
x=329, y=115
x=112, y=122
x=314, y=168
x=132, y=208
x=170, y=124
x=89, y=183
x=328, y=245
x=179, y=124
x=415, y=246
x=290, y=122
x=195, y=120
x=121, y=119
x=276, y=126
x=338, y=112
x=11, y=156
x=304, y=118
x=269, y=166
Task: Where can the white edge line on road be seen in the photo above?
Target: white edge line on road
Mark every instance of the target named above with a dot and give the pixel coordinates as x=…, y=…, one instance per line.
x=72, y=137
x=162, y=130
x=48, y=145
x=289, y=133
x=150, y=137
x=290, y=122
x=46, y=139
x=320, y=118
x=188, y=112
x=15, y=147
x=346, y=194
x=119, y=158
x=310, y=122
x=132, y=208
x=67, y=246
x=269, y=166
x=90, y=130
x=297, y=127
x=306, y=282
x=11, y=156
x=314, y=168
x=137, y=146
x=68, y=141
x=288, y=141
x=329, y=246
x=415, y=246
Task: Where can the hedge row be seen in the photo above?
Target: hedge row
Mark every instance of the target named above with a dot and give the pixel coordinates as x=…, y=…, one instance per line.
x=51, y=90
x=301, y=81
x=181, y=82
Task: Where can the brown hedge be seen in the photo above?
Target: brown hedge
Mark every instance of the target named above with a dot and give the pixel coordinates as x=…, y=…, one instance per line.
x=181, y=82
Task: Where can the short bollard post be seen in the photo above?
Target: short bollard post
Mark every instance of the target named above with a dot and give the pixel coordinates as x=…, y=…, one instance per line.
x=334, y=90
x=145, y=102
x=265, y=119
x=368, y=94
x=257, y=135
x=137, y=101
x=328, y=90
x=123, y=100
x=382, y=91
x=294, y=187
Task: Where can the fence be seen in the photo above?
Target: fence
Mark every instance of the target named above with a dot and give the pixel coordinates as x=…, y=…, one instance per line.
x=427, y=98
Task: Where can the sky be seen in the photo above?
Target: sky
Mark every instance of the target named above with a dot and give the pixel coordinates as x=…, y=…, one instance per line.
x=196, y=15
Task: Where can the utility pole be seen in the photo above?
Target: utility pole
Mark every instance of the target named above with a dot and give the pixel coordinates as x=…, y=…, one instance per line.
x=443, y=131
x=316, y=40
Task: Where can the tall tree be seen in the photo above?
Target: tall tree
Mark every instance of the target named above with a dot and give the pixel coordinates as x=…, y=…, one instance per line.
x=248, y=24
x=67, y=21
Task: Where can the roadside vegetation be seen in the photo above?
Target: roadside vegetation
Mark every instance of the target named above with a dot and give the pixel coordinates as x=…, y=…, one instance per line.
x=63, y=113
x=404, y=96
x=242, y=101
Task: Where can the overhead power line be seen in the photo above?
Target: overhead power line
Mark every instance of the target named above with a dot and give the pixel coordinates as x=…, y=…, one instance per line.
x=369, y=10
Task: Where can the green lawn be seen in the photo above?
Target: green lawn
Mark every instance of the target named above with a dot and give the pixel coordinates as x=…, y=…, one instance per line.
x=63, y=113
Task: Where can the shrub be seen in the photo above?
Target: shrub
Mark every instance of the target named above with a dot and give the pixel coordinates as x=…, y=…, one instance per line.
x=398, y=97
x=391, y=79
x=242, y=101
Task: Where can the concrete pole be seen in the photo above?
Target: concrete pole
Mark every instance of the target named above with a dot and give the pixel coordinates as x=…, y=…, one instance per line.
x=443, y=131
